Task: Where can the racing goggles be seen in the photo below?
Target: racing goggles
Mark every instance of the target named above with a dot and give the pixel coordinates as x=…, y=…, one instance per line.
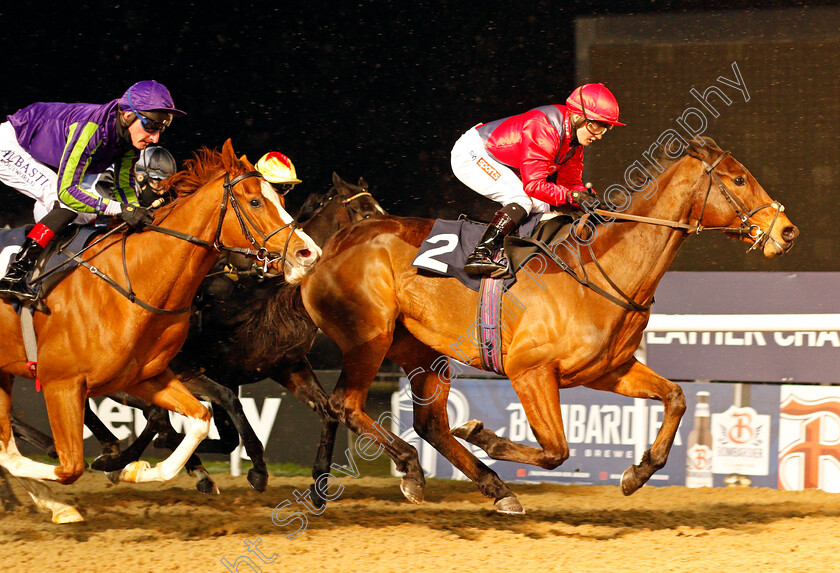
x=597, y=127
x=154, y=121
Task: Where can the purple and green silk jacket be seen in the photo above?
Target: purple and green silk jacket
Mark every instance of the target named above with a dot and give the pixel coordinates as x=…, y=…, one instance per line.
x=74, y=139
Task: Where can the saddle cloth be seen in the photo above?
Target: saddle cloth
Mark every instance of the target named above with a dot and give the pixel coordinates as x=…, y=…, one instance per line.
x=449, y=243
x=59, y=252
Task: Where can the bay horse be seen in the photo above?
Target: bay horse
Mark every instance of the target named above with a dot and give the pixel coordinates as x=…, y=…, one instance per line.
x=366, y=295
x=250, y=329
x=97, y=341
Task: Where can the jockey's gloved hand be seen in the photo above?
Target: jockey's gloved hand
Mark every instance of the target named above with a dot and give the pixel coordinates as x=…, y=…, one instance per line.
x=136, y=216
x=577, y=197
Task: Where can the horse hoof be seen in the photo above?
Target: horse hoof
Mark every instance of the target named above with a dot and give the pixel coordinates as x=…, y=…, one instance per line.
x=207, y=486
x=113, y=477
x=317, y=500
x=468, y=430
x=258, y=480
x=629, y=483
x=107, y=463
x=412, y=490
x=131, y=473
x=67, y=515
x=509, y=506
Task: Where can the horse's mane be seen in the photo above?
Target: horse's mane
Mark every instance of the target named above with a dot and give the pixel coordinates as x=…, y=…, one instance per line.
x=663, y=161
x=204, y=166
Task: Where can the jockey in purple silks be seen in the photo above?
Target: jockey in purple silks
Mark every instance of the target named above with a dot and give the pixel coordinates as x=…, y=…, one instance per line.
x=47, y=147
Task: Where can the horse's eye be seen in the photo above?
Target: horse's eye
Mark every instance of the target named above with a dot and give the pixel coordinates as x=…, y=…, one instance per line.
x=256, y=203
x=740, y=181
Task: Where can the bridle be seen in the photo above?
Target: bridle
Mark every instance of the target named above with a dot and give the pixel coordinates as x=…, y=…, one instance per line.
x=744, y=214
x=747, y=227
x=260, y=252
x=352, y=213
x=755, y=232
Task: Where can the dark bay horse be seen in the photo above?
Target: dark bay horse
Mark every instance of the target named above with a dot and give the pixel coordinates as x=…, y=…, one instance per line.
x=368, y=298
x=249, y=329
x=96, y=341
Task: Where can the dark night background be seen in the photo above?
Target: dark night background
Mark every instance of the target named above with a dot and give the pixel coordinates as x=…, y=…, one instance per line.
x=382, y=90
x=374, y=89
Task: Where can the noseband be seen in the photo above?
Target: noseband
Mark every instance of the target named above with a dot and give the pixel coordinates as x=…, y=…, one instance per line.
x=354, y=216
x=755, y=232
x=260, y=252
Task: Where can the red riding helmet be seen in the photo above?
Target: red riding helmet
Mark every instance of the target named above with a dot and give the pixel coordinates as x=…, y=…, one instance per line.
x=594, y=102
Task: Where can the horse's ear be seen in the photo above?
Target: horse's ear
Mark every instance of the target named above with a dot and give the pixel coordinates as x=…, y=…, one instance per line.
x=337, y=180
x=363, y=183
x=698, y=149
x=228, y=156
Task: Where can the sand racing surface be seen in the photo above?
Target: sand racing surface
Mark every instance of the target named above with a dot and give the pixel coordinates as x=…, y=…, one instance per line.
x=172, y=527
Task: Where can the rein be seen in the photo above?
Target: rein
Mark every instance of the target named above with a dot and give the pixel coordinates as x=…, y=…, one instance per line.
x=755, y=232
x=345, y=202
x=260, y=252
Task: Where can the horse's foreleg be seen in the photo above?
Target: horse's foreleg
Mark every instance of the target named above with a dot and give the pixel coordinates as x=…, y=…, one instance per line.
x=302, y=382
x=537, y=390
x=10, y=458
x=347, y=401
x=430, y=391
x=44, y=500
x=65, y=401
x=117, y=460
x=638, y=381
x=167, y=391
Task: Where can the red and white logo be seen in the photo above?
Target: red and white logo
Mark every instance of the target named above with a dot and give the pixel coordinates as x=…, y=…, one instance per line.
x=741, y=442
x=809, y=438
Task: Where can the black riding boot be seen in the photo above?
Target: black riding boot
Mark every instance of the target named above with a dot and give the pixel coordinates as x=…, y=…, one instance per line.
x=13, y=285
x=480, y=261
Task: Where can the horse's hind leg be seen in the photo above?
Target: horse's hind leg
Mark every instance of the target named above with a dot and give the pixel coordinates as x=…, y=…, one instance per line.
x=638, y=381
x=33, y=436
x=538, y=393
x=429, y=377
x=232, y=424
x=302, y=382
x=167, y=391
x=8, y=497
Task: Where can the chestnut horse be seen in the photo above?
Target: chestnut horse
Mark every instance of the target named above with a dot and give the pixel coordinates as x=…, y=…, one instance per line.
x=254, y=330
x=368, y=298
x=97, y=341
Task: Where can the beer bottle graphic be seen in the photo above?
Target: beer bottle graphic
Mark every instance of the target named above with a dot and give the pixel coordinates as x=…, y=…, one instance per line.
x=698, y=471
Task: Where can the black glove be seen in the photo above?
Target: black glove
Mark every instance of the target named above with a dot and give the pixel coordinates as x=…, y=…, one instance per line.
x=578, y=197
x=136, y=216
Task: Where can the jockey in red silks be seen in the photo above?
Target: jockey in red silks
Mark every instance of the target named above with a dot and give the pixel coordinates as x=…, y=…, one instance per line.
x=46, y=148
x=531, y=162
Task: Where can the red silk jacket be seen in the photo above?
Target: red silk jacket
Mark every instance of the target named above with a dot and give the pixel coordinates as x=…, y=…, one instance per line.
x=537, y=145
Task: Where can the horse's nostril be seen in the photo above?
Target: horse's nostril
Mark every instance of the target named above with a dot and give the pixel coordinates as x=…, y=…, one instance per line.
x=304, y=253
x=790, y=233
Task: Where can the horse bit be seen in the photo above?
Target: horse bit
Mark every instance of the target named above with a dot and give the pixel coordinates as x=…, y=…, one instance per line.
x=260, y=252
x=755, y=232
x=354, y=217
